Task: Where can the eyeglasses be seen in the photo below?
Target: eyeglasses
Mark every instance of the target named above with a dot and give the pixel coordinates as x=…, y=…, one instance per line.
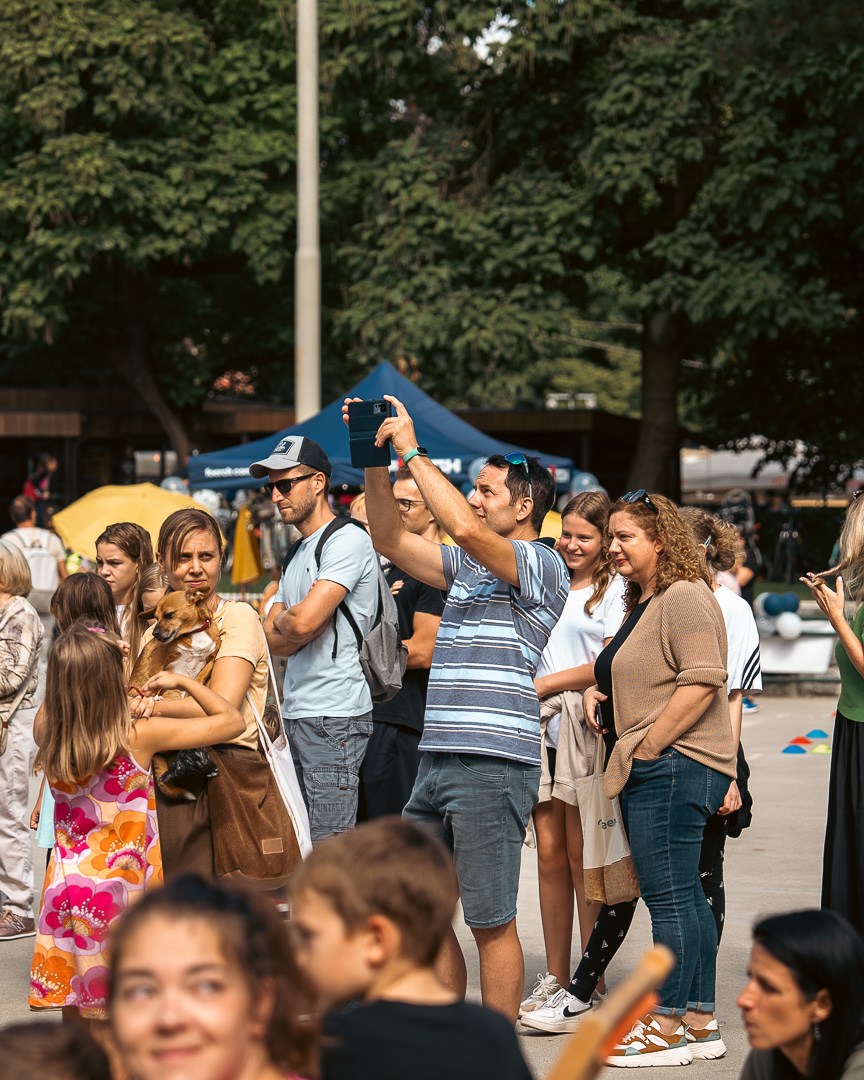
x=406, y=504
x=640, y=496
x=520, y=459
x=284, y=486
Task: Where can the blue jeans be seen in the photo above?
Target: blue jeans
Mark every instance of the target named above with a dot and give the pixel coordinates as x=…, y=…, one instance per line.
x=665, y=804
x=479, y=807
x=327, y=753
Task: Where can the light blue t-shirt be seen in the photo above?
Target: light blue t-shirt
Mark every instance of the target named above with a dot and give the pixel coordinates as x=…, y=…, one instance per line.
x=316, y=683
x=481, y=697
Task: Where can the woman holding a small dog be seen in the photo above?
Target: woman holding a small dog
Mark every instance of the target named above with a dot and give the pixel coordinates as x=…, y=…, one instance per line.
x=190, y=550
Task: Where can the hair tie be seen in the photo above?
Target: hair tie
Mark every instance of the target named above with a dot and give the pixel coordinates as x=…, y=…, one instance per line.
x=96, y=629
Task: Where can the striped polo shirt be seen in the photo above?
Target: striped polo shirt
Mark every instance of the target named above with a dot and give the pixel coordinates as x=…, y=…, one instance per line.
x=481, y=697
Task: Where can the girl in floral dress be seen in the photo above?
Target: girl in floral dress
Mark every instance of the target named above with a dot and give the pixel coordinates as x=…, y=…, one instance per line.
x=106, y=841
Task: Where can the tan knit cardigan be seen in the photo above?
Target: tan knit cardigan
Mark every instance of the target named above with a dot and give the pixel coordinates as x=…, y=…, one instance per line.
x=680, y=640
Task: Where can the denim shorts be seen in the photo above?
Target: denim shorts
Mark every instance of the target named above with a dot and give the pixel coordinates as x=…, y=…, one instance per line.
x=328, y=752
x=479, y=806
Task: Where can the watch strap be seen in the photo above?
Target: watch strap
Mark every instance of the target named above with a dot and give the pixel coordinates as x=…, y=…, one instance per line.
x=420, y=451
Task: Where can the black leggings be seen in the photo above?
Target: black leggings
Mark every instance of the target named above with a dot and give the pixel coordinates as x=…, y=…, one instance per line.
x=609, y=931
x=614, y=920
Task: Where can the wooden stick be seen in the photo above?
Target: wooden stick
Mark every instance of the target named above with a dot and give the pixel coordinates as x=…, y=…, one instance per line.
x=585, y=1052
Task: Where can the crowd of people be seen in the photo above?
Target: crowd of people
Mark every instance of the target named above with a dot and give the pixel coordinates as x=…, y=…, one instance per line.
x=619, y=655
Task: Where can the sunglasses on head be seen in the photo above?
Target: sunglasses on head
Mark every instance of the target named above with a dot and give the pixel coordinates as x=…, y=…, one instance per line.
x=640, y=496
x=284, y=486
x=520, y=459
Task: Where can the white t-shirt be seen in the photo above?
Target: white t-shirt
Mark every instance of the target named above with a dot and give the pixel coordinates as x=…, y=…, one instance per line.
x=578, y=638
x=742, y=638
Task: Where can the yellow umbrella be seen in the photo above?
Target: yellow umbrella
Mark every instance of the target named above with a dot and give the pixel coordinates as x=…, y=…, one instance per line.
x=246, y=567
x=88, y=517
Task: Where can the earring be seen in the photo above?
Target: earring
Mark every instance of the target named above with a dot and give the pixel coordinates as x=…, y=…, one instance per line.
x=817, y=1034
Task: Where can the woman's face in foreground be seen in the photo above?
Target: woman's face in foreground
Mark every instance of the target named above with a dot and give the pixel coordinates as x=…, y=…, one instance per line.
x=776, y=1014
x=182, y=1010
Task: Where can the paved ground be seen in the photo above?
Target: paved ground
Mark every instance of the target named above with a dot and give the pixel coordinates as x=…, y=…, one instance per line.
x=774, y=866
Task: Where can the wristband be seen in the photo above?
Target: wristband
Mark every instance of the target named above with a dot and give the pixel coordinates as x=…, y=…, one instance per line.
x=418, y=450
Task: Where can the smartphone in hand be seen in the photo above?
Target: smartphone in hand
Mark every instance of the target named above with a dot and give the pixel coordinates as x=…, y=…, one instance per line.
x=364, y=419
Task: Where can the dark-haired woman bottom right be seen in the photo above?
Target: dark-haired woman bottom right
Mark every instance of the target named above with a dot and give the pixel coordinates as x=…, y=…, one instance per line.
x=802, y=1005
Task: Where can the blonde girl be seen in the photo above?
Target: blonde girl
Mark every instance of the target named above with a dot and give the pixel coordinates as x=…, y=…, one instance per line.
x=79, y=596
x=106, y=842
x=843, y=861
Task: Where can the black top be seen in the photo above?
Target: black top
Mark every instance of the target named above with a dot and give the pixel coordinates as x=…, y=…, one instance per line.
x=408, y=706
x=391, y=1040
x=603, y=672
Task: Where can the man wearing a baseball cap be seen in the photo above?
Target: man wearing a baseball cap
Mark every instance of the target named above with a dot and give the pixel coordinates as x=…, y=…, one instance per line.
x=327, y=707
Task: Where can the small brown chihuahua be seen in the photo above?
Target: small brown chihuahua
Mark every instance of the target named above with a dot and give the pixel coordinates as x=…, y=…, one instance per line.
x=185, y=640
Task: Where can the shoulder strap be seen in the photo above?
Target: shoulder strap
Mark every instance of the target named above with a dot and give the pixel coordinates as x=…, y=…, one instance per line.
x=335, y=525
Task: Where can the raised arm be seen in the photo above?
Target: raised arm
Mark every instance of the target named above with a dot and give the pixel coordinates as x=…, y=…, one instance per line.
x=448, y=506
x=416, y=556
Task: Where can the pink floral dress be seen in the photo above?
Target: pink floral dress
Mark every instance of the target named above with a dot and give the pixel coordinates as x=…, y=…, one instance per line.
x=106, y=853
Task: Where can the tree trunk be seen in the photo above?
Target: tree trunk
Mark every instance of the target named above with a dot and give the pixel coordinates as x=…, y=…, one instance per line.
x=131, y=360
x=654, y=464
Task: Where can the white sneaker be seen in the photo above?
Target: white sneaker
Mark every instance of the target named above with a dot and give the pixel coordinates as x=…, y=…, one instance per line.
x=705, y=1043
x=645, y=1044
x=547, y=987
x=561, y=1013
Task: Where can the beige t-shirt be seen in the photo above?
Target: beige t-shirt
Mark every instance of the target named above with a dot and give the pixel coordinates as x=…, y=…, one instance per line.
x=243, y=636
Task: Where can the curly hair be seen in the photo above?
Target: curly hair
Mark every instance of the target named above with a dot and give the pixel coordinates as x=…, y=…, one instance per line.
x=593, y=507
x=718, y=539
x=678, y=559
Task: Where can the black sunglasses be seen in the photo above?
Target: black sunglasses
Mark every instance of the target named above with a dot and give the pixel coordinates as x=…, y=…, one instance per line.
x=284, y=486
x=640, y=496
x=520, y=459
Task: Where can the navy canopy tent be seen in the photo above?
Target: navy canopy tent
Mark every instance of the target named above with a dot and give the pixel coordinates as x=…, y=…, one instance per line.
x=452, y=444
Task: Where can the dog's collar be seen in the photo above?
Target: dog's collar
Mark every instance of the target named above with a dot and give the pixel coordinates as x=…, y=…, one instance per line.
x=204, y=626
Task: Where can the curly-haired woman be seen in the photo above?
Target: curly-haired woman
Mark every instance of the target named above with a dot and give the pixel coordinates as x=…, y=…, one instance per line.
x=664, y=675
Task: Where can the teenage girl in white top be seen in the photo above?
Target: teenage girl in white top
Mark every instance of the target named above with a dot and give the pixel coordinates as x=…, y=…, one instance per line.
x=591, y=618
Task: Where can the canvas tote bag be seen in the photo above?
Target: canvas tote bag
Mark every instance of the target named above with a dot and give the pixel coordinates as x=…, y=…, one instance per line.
x=610, y=876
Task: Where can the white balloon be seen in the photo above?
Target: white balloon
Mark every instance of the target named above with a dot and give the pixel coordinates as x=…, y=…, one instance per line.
x=766, y=625
x=207, y=498
x=759, y=603
x=789, y=625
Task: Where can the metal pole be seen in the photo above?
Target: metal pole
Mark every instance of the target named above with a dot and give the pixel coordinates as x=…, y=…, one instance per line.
x=307, y=264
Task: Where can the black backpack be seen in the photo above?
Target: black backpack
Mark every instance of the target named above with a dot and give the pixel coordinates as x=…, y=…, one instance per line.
x=382, y=655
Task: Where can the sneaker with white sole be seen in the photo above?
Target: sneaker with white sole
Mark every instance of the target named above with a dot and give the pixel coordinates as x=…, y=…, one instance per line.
x=560, y=1014
x=14, y=926
x=547, y=987
x=705, y=1043
x=646, y=1045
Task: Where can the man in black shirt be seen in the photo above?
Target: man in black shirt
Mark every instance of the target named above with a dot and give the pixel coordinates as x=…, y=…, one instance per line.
x=392, y=758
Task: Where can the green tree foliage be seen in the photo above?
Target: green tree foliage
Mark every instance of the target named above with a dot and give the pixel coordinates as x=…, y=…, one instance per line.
x=517, y=198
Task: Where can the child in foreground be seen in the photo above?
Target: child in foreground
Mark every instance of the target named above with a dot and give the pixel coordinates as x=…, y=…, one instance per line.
x=106, y=843
x=369, y=913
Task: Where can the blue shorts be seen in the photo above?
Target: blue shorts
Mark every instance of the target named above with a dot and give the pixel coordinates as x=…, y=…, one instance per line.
x=479, y=806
